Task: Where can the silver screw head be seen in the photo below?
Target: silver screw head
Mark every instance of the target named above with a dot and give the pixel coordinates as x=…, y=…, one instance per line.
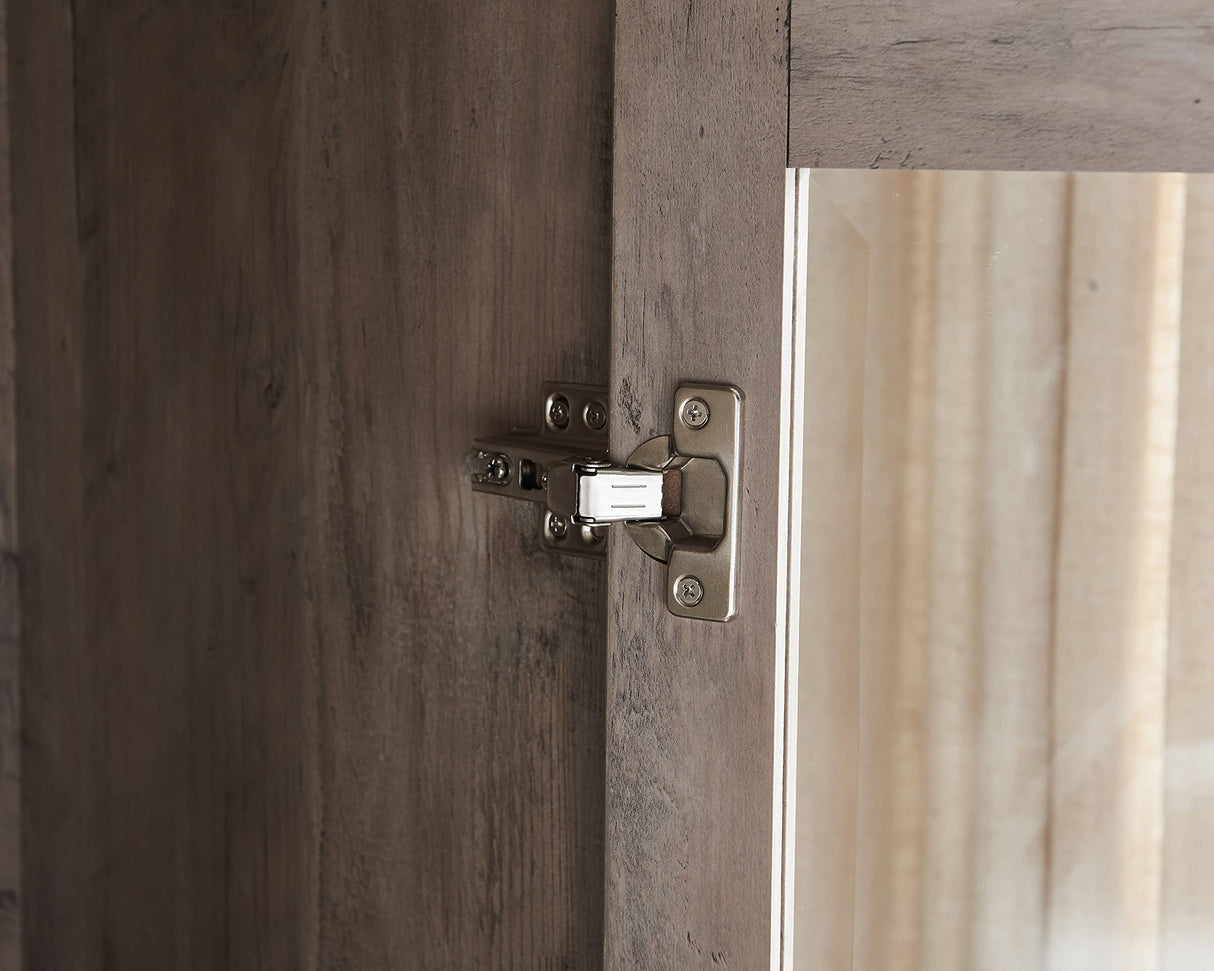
x=558, y=526
x=498, y=469
x=688, y=591
x=595, y=415
x=694, y=413
x=490, y=467
x=558, y=412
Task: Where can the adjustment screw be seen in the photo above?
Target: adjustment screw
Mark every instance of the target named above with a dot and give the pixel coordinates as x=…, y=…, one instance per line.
x=558, y=526
x=688, y=591
x=694, y=413
x=558, y=412
x=595, y=415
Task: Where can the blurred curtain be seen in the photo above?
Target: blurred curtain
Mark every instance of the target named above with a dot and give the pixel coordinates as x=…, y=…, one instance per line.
x=1005, y=688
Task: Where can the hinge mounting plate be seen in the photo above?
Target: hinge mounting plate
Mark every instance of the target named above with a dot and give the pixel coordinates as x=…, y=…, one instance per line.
x=678, y=495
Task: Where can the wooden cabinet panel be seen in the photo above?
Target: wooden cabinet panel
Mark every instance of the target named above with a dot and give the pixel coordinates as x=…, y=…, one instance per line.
x=294, y=696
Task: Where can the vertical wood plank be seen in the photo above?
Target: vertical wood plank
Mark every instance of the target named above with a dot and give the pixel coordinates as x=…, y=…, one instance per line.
x=60, y=839
x=700, y=144
x=10, y=607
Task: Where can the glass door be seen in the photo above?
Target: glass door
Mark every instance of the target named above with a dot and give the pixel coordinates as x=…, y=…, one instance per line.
x=1000, y=735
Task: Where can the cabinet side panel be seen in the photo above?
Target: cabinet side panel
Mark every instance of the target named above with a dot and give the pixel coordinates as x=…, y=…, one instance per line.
x=293, y=695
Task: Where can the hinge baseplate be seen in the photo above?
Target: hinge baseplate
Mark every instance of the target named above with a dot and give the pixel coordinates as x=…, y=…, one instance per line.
x=515, y=465
x=678, y=495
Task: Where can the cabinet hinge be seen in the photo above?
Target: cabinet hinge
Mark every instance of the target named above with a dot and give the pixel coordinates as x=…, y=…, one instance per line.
x=678, y=496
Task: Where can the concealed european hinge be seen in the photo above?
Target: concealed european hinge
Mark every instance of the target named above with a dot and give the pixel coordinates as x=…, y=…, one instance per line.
x=678, y=496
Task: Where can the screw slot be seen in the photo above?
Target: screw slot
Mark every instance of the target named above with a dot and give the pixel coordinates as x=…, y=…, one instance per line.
x=558, y=526
x=694, y=413
x=558, y=412
x=688, y=591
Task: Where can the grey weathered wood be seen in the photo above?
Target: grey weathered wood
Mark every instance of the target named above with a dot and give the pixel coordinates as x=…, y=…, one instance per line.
x=1003, y=84
x=293, y=696
x=698, y=200
x=10, y=613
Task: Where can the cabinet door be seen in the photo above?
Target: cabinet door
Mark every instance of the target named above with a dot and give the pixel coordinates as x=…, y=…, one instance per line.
x=1001, y=668
x=712, y=101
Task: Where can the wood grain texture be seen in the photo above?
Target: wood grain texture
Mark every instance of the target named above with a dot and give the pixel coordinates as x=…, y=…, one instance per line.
x=698, y=184
x=10, y=607
x=293, y=696
x=60, y=845
x=1002, y=84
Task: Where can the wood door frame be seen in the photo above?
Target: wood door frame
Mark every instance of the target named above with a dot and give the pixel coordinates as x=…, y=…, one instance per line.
x=1034, y=85
x=692, y=749
x=702, y=129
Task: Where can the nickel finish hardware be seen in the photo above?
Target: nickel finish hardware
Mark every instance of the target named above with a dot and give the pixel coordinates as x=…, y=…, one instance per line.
x=678, y=496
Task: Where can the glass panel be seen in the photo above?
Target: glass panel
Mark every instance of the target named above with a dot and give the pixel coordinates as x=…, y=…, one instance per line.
x=1002, y=748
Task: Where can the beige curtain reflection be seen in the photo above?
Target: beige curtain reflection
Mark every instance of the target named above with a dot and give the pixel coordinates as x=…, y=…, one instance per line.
x=1005, y=740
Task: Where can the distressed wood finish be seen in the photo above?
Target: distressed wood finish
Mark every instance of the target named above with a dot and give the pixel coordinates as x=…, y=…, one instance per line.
x=698, y=200
x=293, y=696
x=10, y=613
x=1002, y=84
